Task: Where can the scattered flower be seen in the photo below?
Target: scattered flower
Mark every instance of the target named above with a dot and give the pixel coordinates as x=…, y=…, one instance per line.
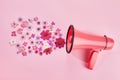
x=40, y=53
x=24, y=53
x=36, y=19
x=47, y=51
x=12, y=42
x=34, y=47
x=20, y=19
x=29, y=27
x=45, y=35
x=19, y=31
x=14, y=24
x=34, y=37
x=13, y=33
x=32, y=42
x=22, y=37
x=38, y=29
x=53, y=23
x=59, y=42
x=44, y=27
x=25, y=43
x=17, y=45
x=30, y=20
x=29, y=51
x=38, y=23
x=44, y=22
x=24, y=24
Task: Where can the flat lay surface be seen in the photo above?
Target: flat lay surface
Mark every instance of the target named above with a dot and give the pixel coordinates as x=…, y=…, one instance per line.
x=99, y=17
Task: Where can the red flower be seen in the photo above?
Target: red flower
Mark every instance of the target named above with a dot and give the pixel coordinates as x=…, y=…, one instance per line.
x=45, y=35
x=59, y=42
x=48, y=51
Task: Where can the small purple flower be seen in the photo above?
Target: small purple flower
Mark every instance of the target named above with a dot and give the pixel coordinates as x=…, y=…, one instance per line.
x=40, y=48
x=50, y=43
x=20, y=19
x=33, y=35
x=53, y=23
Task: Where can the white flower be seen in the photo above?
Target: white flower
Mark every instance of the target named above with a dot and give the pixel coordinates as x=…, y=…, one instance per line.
x=12, y=42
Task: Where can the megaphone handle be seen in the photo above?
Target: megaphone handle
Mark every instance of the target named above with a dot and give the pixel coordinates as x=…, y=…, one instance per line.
x=92, y=59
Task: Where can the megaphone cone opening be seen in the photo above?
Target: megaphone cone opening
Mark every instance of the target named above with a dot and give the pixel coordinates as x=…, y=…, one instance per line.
x=70, y=39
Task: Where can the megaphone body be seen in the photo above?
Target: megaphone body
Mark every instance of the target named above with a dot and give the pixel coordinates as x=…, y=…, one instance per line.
x=79, y=40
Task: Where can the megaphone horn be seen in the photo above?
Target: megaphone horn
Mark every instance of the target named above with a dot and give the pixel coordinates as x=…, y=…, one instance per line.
x=76, y=40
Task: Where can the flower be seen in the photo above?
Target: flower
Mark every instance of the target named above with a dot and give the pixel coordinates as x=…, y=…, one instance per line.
x=59, y=42
x=29, y=27
x=40, y=53
x=13, y=33
x=22, y=37
x=24, y=53
x=36, y=19
x=29, y=51
x=47, y=51
x=20, y=19
x=45, y=35
x=27, y=33
x=38, y=23
x=24, y=24
x=50, y=43
x=30, y=20
x=17, y=45
x=21, y=49
x=44, y=22
x=25, y=43
x=38, y=29
x=37, y=37
x=12, y=42
x=34, y=47
x=31, y=42
x=52, y=23
x=19, y=31
x=14, y=24
x=32, y=35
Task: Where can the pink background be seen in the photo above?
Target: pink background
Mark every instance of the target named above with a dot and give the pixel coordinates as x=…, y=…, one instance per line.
x=93, y=16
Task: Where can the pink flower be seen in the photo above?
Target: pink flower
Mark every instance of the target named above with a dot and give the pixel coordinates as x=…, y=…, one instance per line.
x=25, y=43
x=14, y=24
x=13, y=33
x=34, y=47
x=24, y=24
x=45, y=35
x=24, y=53
x=59, y=42
x=47, y=51
x=19, y=31
x=36, y=19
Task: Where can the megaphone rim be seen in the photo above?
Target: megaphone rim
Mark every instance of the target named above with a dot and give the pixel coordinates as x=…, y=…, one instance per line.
x=70, y=27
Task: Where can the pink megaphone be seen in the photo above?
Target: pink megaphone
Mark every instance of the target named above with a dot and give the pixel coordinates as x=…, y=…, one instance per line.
x=76, y=40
